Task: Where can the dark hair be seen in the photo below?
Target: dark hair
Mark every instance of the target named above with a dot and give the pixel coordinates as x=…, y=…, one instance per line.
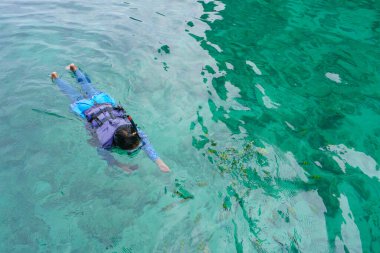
x=126, y=137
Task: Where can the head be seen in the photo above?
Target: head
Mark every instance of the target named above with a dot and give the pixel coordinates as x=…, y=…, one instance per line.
x=126, y=137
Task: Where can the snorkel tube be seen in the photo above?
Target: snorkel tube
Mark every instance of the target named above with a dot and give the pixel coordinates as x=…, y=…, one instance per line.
x=133, y=125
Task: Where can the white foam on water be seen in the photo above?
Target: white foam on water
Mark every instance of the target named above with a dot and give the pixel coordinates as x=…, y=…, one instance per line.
x=229, y=66
x=350, y=232
x=333, y=77
x=340, y=163
x=268, y=103
x=290, y=126
x=355, y=159
x=254, y=67
x=217, y=48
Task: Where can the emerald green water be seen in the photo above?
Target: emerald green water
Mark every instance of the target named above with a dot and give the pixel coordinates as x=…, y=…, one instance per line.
x=267, y=112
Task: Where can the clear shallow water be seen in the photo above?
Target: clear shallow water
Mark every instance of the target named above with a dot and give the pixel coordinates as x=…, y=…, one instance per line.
x=268, y=113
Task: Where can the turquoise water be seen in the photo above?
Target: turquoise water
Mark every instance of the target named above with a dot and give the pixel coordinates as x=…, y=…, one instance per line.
x=267, y=112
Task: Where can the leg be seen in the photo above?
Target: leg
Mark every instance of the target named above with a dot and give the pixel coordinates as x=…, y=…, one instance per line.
x=67, y=89
x=84, y=81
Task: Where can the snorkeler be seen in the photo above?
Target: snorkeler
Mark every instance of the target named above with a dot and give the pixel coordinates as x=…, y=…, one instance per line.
x=107, y=121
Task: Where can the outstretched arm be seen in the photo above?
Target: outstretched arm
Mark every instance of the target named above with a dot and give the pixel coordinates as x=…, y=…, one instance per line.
x=111, y=161
x=151, y=153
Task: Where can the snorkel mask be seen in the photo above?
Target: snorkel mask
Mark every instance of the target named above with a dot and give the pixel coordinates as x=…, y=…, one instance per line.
x=135, y=151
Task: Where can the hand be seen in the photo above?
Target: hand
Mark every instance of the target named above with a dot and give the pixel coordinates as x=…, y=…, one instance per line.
x=128, y=168
x=163, y=167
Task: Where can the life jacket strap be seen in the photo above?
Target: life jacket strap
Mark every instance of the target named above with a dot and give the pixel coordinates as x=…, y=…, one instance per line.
x=103, y=111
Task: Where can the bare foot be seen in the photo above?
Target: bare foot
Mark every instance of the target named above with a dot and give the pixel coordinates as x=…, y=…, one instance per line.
x=72, y=67
x=53, y=75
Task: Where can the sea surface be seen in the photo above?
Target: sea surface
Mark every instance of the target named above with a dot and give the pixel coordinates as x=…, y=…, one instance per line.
x=267, y=113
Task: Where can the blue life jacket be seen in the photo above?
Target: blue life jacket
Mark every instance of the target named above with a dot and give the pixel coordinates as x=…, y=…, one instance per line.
x=105, y=119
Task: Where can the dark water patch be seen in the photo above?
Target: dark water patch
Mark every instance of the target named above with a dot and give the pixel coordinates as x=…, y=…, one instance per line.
x=135, y=19
x=158, y=13
x=310, y=54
